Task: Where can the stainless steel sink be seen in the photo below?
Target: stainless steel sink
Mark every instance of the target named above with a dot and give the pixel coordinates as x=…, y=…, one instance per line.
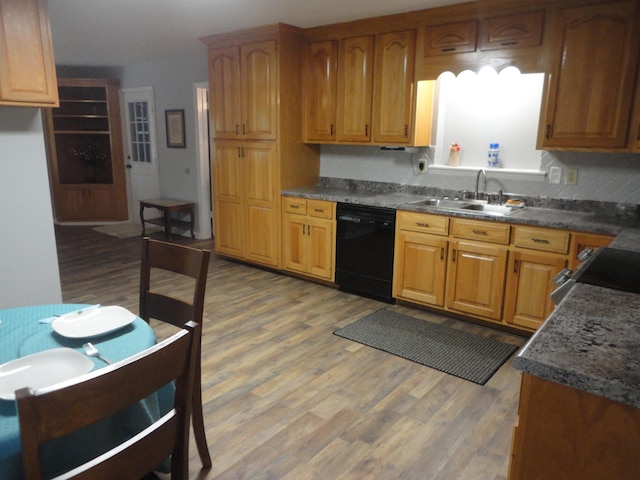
x=441, y=203
x=469, y=206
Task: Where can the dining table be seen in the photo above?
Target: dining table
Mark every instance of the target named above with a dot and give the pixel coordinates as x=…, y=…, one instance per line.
x=29, y=330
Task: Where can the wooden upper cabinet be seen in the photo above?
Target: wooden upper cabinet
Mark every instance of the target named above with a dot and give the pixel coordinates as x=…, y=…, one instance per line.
x=592, y=77
x=634, y=131
x=355, y=88
x=224, y=75
x=512, y=31
x=244, y=91
x=450, y=38
x=259, y=91
x=27, y=66
x=320, y=91
x=393, y=87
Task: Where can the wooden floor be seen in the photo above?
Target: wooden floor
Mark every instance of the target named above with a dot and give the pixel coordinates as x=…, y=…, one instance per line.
x=286, y=399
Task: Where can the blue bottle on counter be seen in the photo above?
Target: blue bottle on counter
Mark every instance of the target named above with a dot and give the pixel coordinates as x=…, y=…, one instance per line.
x=493, y=159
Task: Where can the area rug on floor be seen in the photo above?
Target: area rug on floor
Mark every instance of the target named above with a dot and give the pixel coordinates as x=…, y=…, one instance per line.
x=121, y=230
x=452, y=351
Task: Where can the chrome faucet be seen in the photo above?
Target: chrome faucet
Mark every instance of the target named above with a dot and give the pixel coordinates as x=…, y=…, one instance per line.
x=484, y=175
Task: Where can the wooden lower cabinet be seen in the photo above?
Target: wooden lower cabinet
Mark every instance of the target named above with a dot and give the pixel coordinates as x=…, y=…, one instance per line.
x=529, y=286
x=475, y=278
x=246, y=201
x=420, y=267
x=490, y=270
x=309, y=237
x=567, y=434
x=85, y=202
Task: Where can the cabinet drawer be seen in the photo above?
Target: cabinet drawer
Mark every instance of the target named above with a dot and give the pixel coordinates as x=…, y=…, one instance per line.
x=422, y=222
x=320, y=209
x=483, y=231
x=545, y=239
x=295, y=205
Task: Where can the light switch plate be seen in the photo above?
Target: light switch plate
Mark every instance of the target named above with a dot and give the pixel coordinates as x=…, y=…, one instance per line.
x=571, y=176
x=555, y=174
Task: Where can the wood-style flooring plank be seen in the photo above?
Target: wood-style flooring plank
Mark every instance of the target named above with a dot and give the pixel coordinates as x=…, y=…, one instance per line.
x=284, y=398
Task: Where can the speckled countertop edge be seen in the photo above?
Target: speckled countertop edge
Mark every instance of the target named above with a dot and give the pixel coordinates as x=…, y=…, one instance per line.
x=590, y=342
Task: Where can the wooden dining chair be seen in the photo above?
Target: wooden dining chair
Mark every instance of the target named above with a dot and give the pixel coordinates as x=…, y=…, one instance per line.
x=53, y=412
x=193, y=263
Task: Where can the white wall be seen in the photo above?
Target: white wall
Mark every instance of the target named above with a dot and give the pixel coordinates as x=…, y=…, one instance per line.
x=604, y=177
x=172, y=81
x=28, y=258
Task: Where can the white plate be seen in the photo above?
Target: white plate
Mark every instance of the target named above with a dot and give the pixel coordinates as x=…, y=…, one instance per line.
x=41, y=370
x=92, y=322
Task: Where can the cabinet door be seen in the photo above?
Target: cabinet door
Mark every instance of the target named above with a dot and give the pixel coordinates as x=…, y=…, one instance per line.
x=592, y=78
x=355, y=88
x=71, y=204
x=27, y=67
x=224, y=81
x=420, y=266
x=475, y=278
x=529, y=286
x=320, y=91
x=393, y=87
x=451, y=38
x=259, y=91
x=261, y=224
x=634, y=131
x=227, y=198
x=293, y=240
x=511, y=31
x=320, y=247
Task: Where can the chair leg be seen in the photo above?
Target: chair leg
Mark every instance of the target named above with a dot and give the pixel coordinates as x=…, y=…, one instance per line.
x=197, y=417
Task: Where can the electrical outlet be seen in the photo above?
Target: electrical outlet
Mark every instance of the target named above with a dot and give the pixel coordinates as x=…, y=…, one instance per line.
x=555, y=174
x=422, y=165
x=571, y=176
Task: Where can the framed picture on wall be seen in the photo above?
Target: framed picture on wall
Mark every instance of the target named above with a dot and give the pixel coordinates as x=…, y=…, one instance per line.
x=174, y=120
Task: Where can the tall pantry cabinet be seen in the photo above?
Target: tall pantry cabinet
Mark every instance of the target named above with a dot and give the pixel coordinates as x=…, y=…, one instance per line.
x=256, y=135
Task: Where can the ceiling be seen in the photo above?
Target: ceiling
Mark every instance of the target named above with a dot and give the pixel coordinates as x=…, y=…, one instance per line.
x=122, y=32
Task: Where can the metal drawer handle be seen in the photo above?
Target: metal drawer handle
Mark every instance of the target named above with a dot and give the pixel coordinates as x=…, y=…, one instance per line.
x=294, y=206
x=480, y=232
x=540, y=240
x=421, y=224
x=320, y=210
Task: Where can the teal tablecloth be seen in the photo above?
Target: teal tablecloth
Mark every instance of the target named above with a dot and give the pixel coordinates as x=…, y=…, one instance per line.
x=22, y=334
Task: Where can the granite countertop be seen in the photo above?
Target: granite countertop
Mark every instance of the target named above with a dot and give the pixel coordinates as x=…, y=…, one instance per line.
x=590, y=342
x=598, y=222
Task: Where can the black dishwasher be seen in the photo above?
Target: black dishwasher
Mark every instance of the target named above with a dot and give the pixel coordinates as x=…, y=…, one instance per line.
x=364, y=250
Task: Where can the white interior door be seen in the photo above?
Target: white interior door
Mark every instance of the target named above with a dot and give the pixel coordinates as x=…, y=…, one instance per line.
x=143, y=177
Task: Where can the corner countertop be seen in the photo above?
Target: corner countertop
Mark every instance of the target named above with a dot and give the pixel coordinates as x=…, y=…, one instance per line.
x=591, y=343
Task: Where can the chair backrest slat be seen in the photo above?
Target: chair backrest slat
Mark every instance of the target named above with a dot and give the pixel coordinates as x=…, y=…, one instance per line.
x=180, y=259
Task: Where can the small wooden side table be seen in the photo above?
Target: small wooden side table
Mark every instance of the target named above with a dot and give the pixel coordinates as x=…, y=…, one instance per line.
x=167, y=206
